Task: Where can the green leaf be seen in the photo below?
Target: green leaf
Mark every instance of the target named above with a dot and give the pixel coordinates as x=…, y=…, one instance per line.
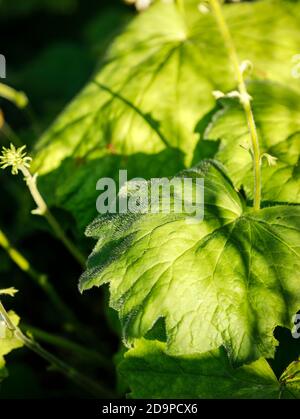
x=277, y=115
x=292, y=373
x=7, y=343
x=290, y=379
x=154, y=86
x=152, y=373
x=228, y=280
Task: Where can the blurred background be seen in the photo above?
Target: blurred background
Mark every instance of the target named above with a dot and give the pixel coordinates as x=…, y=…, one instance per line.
x=52, y=47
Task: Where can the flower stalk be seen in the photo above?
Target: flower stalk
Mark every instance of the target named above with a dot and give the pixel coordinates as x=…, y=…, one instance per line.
x=18, y=160
x=244, y=98
x=39, y=278
x=86, y=355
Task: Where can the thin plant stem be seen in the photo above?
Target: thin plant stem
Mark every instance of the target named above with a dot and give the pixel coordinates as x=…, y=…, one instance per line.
x=89, y=385
x=68, y=318
x=9, y=133
x=245, y=99
x=14, y=96
x=39, y=278
x=42, y=209
x=60, y=342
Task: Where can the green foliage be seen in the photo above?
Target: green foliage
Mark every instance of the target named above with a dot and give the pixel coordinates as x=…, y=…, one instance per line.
x=152, y=373
x=277, y=114
x=199, y=301
x=241, y=281
x=154, y=86
x=290, y=379
x=7, y=343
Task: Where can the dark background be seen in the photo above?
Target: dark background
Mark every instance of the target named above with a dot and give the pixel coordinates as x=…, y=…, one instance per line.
x=52, y=47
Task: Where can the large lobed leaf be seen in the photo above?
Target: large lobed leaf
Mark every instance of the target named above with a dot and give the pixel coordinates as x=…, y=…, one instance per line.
x=226, y=281
x=152, y=373
x=141, y=109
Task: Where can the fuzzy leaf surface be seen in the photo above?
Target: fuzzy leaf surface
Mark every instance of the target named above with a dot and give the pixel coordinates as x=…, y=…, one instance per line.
x=228, y=280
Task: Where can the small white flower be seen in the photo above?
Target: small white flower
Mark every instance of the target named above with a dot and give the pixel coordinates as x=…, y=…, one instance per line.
x=234, y=94
x=140, y=4
x=272, y=161
x=246, y=66
x=217, y=94
x=14, y=157
x=203, y=8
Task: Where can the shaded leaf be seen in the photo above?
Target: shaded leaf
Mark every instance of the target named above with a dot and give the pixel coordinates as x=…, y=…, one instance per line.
x=290, y=380
x=153, y=374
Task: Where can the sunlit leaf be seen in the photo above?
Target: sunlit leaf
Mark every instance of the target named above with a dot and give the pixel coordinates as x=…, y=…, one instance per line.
x=7, y=342
x=228, y=280
x=154, y=86
x=277, y=115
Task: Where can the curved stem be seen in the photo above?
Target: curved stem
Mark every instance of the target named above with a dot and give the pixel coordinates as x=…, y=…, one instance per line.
x=39, y=278
x=18, y=98
x=70, y=372
x=68, y=319
x=60, y=342
x=42, y=209
x=245, y=99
